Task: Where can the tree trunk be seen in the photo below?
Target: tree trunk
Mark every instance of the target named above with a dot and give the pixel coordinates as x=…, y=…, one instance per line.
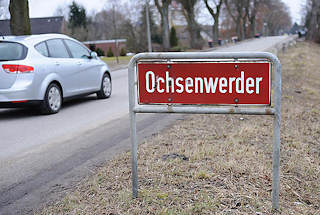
x=19, y=22
x=194, y=32
x=215, y=16
x=243, y=29
x=238, y=28
x=252, y=12
x=193, y=35
x=313, y=27
x=193, y=28
x=253, y=26
x=165, y=29
x=215, y=31
x=242, y=16
x=164, y=13
x=236, y=14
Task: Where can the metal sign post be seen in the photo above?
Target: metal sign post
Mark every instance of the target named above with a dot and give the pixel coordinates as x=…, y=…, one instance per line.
x=244, y=80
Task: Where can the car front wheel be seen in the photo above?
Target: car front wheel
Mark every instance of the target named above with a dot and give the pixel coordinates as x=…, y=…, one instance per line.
x=52, y=101
x=106, y=87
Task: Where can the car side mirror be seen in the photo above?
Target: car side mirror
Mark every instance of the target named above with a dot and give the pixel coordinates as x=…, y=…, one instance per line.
x=93, y=55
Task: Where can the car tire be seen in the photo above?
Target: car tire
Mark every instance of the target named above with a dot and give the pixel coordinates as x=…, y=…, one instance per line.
x=105, y=88
x=52, y=101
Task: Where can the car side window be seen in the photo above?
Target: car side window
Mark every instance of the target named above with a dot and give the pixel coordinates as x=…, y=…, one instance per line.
x=57, y=49
x=77, y=50
x=42, y=49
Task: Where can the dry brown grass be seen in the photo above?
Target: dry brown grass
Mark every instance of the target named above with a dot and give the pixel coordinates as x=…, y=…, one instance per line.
x=228, y=170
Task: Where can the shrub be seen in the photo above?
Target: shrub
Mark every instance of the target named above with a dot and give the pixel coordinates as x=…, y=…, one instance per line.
x=173, y=37
x=110, y=52
x=123, y=52
x=92, y=47
x=100, y=52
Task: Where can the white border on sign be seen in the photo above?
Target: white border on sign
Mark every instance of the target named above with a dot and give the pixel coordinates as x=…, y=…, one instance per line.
x=174, y=61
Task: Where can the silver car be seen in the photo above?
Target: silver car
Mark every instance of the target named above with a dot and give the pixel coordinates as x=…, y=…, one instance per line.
x=47, y=69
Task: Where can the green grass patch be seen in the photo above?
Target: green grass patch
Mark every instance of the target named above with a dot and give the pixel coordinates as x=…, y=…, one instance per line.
x=112, y=59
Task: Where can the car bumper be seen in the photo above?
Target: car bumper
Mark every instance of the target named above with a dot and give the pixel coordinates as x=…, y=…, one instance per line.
x=12, y=95
x=22, y=90
x=17, y=98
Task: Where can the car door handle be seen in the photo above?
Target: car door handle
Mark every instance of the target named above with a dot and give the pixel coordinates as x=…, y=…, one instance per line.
x=57, y=63
x=79, y=63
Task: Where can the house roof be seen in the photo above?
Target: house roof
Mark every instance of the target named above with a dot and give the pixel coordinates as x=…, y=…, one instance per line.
x=41, y=25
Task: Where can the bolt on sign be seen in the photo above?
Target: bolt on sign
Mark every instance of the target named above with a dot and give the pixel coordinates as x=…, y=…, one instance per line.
x=207, y=83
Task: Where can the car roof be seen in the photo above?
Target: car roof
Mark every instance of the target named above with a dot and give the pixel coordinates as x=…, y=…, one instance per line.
x=33, y=39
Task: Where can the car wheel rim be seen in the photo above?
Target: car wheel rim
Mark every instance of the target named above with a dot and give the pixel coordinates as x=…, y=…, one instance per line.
x=106, y=86
x=54, y=98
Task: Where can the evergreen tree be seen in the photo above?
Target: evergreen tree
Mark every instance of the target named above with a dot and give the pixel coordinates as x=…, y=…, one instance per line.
x=77, y=16
x=173, y=37
x=100, y=52
x=110, y=52
x=123, y=52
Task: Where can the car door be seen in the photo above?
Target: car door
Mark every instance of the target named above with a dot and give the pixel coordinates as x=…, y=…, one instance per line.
x=65, y=67
x=88, y=68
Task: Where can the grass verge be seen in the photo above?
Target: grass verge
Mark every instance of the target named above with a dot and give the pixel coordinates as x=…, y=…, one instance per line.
x=220, y=164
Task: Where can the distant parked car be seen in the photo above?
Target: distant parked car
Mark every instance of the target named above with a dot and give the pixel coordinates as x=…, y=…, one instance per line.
x=130, y=54
x=257, y=35
x=302, y=33
x=45, y=70
x=234, y=39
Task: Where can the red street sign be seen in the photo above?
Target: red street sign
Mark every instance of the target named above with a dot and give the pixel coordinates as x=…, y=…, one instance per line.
x=228, y=83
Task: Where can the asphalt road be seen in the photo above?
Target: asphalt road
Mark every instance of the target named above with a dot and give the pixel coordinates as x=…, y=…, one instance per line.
x=42, y=156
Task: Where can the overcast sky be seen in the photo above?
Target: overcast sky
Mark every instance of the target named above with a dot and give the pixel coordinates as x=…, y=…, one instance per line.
x=43, y=8
x=295, y=7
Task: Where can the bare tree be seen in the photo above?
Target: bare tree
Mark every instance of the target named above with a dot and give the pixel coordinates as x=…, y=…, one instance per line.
x=163, y=9
x=244, y=18
x=128, y=31
x=276, y=15
x=268, y=16
x=252, y=10
x=215, y=13
x=188, y=10
x=19, y=21
x=237, y=11
x=313, y=20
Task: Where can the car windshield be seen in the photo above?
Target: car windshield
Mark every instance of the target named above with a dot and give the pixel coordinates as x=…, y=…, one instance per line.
x=11, y=51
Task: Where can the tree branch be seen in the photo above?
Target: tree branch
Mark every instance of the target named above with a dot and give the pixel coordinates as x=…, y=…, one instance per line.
x=229, y=10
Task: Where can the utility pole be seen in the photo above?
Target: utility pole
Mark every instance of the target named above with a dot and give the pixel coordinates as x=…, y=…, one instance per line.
x=148, y=27
x=116, y=34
